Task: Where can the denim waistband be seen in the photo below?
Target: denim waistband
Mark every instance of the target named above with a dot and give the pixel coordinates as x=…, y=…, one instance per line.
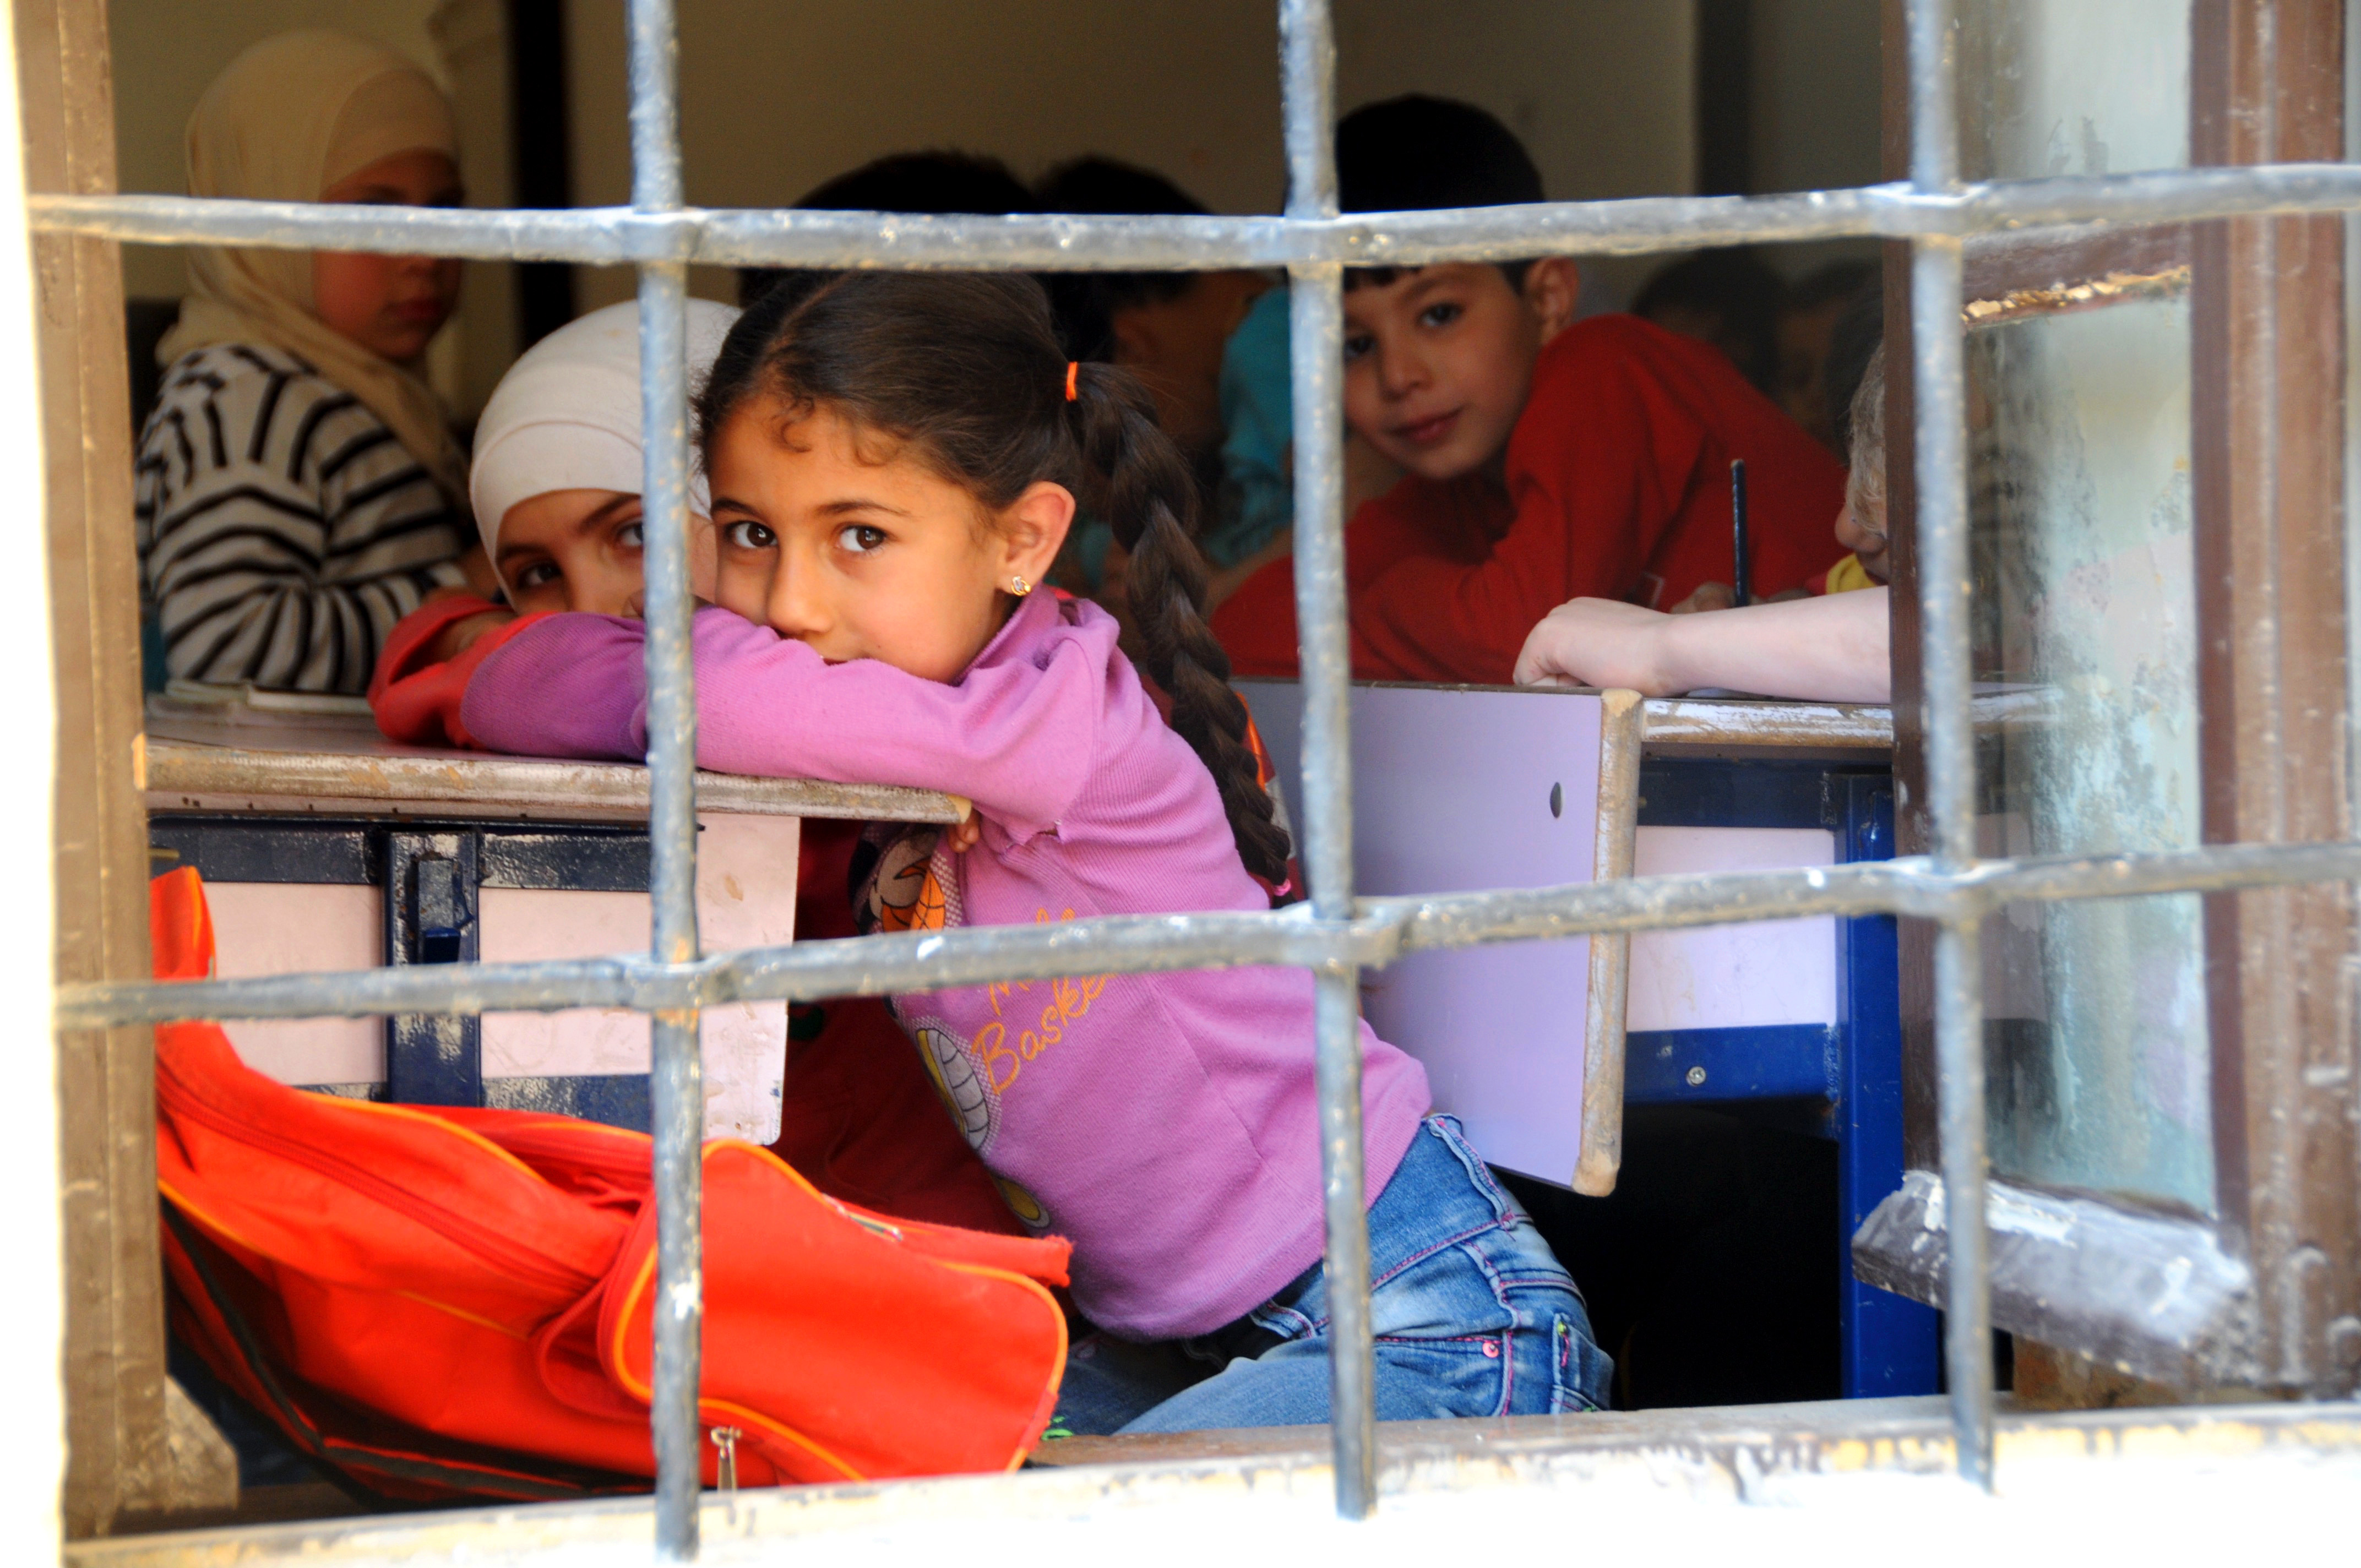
x=1439, y=1195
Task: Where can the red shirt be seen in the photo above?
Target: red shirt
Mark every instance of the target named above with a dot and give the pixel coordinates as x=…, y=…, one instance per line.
x=1618, y=487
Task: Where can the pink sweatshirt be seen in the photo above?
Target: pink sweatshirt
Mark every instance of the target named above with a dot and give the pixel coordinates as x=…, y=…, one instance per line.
x=1165, y=1122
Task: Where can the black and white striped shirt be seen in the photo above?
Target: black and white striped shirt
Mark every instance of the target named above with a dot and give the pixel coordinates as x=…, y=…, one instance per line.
x=283, y=529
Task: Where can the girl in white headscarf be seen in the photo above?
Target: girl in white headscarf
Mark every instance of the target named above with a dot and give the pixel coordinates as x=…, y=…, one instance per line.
x=298, y=484
x=556, y=487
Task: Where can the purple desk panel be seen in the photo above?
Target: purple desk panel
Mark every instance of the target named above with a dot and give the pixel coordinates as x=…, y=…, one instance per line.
x=1456, y=790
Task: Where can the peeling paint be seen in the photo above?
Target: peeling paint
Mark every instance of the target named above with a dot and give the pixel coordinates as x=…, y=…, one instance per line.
x=2112, y=288
x=2086, y=587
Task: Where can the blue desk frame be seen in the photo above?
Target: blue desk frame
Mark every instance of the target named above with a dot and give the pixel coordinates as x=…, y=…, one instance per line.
x=1850, y=1072
x=433, y=1061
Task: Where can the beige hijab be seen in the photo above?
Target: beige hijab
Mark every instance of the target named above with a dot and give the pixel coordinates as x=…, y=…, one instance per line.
x=289, y=118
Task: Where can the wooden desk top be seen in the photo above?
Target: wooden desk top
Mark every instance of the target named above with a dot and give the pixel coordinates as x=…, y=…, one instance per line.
x=323, y=763
x=1768, y=728
x=335, y=764
x=1762, y=727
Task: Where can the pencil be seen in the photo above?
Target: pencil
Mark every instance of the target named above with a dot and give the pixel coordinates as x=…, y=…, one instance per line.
x=1739, y=556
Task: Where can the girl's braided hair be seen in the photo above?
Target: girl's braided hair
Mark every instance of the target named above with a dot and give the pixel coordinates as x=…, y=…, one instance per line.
x=963, y=372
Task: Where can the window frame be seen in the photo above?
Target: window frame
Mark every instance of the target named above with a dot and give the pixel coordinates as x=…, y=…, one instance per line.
x=2277, y=1269
x=103, y=1001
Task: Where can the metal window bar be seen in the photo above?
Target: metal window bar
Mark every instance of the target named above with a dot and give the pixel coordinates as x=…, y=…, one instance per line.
x=1632, y=226
x=676, y=1095
x=1339, y=935
x=1315, y=332
x=1939, y=414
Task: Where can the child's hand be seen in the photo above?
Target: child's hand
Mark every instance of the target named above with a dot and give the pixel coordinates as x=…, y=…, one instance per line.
x=1598, y=643
x=1707, y=596
x=457, y=638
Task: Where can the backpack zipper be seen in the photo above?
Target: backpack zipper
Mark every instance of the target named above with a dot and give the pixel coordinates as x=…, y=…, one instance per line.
x=522, y=1261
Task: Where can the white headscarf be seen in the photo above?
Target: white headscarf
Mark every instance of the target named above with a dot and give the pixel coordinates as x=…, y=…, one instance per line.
x=567, y=416
x=286, y=119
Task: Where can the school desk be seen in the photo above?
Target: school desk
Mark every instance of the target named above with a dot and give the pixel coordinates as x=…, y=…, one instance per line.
x=326, y=847
x=1795, y=1022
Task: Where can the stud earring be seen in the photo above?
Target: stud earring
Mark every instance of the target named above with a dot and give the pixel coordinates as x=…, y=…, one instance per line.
x=1019, y=586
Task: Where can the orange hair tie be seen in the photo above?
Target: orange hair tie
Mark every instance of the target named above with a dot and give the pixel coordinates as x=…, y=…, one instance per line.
x=1073, y=369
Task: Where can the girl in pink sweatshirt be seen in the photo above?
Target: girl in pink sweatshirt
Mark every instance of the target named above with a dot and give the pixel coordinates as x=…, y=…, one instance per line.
x=894, y=461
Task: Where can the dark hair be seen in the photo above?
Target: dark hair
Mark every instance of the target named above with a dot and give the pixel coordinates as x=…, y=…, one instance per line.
x=1852, y=342
x=1735, y=296
x=1834, y=283
x=964, y=370
x=899, y=183
x=1416, y=153
x=1085, y=304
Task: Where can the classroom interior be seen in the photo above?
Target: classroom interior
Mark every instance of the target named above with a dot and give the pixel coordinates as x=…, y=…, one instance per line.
x=1628, y=98
x=1712, y=1272
x=1716, y=1272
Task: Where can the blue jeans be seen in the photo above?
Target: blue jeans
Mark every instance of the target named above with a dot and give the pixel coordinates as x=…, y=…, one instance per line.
x=1473, y=1316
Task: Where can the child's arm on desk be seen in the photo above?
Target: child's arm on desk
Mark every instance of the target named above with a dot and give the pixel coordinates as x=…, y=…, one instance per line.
x=1833, y=649
x=1016, y=736
x=429, y=657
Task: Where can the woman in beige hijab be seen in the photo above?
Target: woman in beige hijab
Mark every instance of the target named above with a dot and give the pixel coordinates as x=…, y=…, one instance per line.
x=299, y=489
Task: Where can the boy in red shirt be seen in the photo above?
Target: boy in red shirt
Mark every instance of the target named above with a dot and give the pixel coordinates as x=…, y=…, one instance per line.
x=1547, y=458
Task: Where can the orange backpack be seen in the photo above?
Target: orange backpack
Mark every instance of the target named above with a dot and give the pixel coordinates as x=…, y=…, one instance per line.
x=448, y=1301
